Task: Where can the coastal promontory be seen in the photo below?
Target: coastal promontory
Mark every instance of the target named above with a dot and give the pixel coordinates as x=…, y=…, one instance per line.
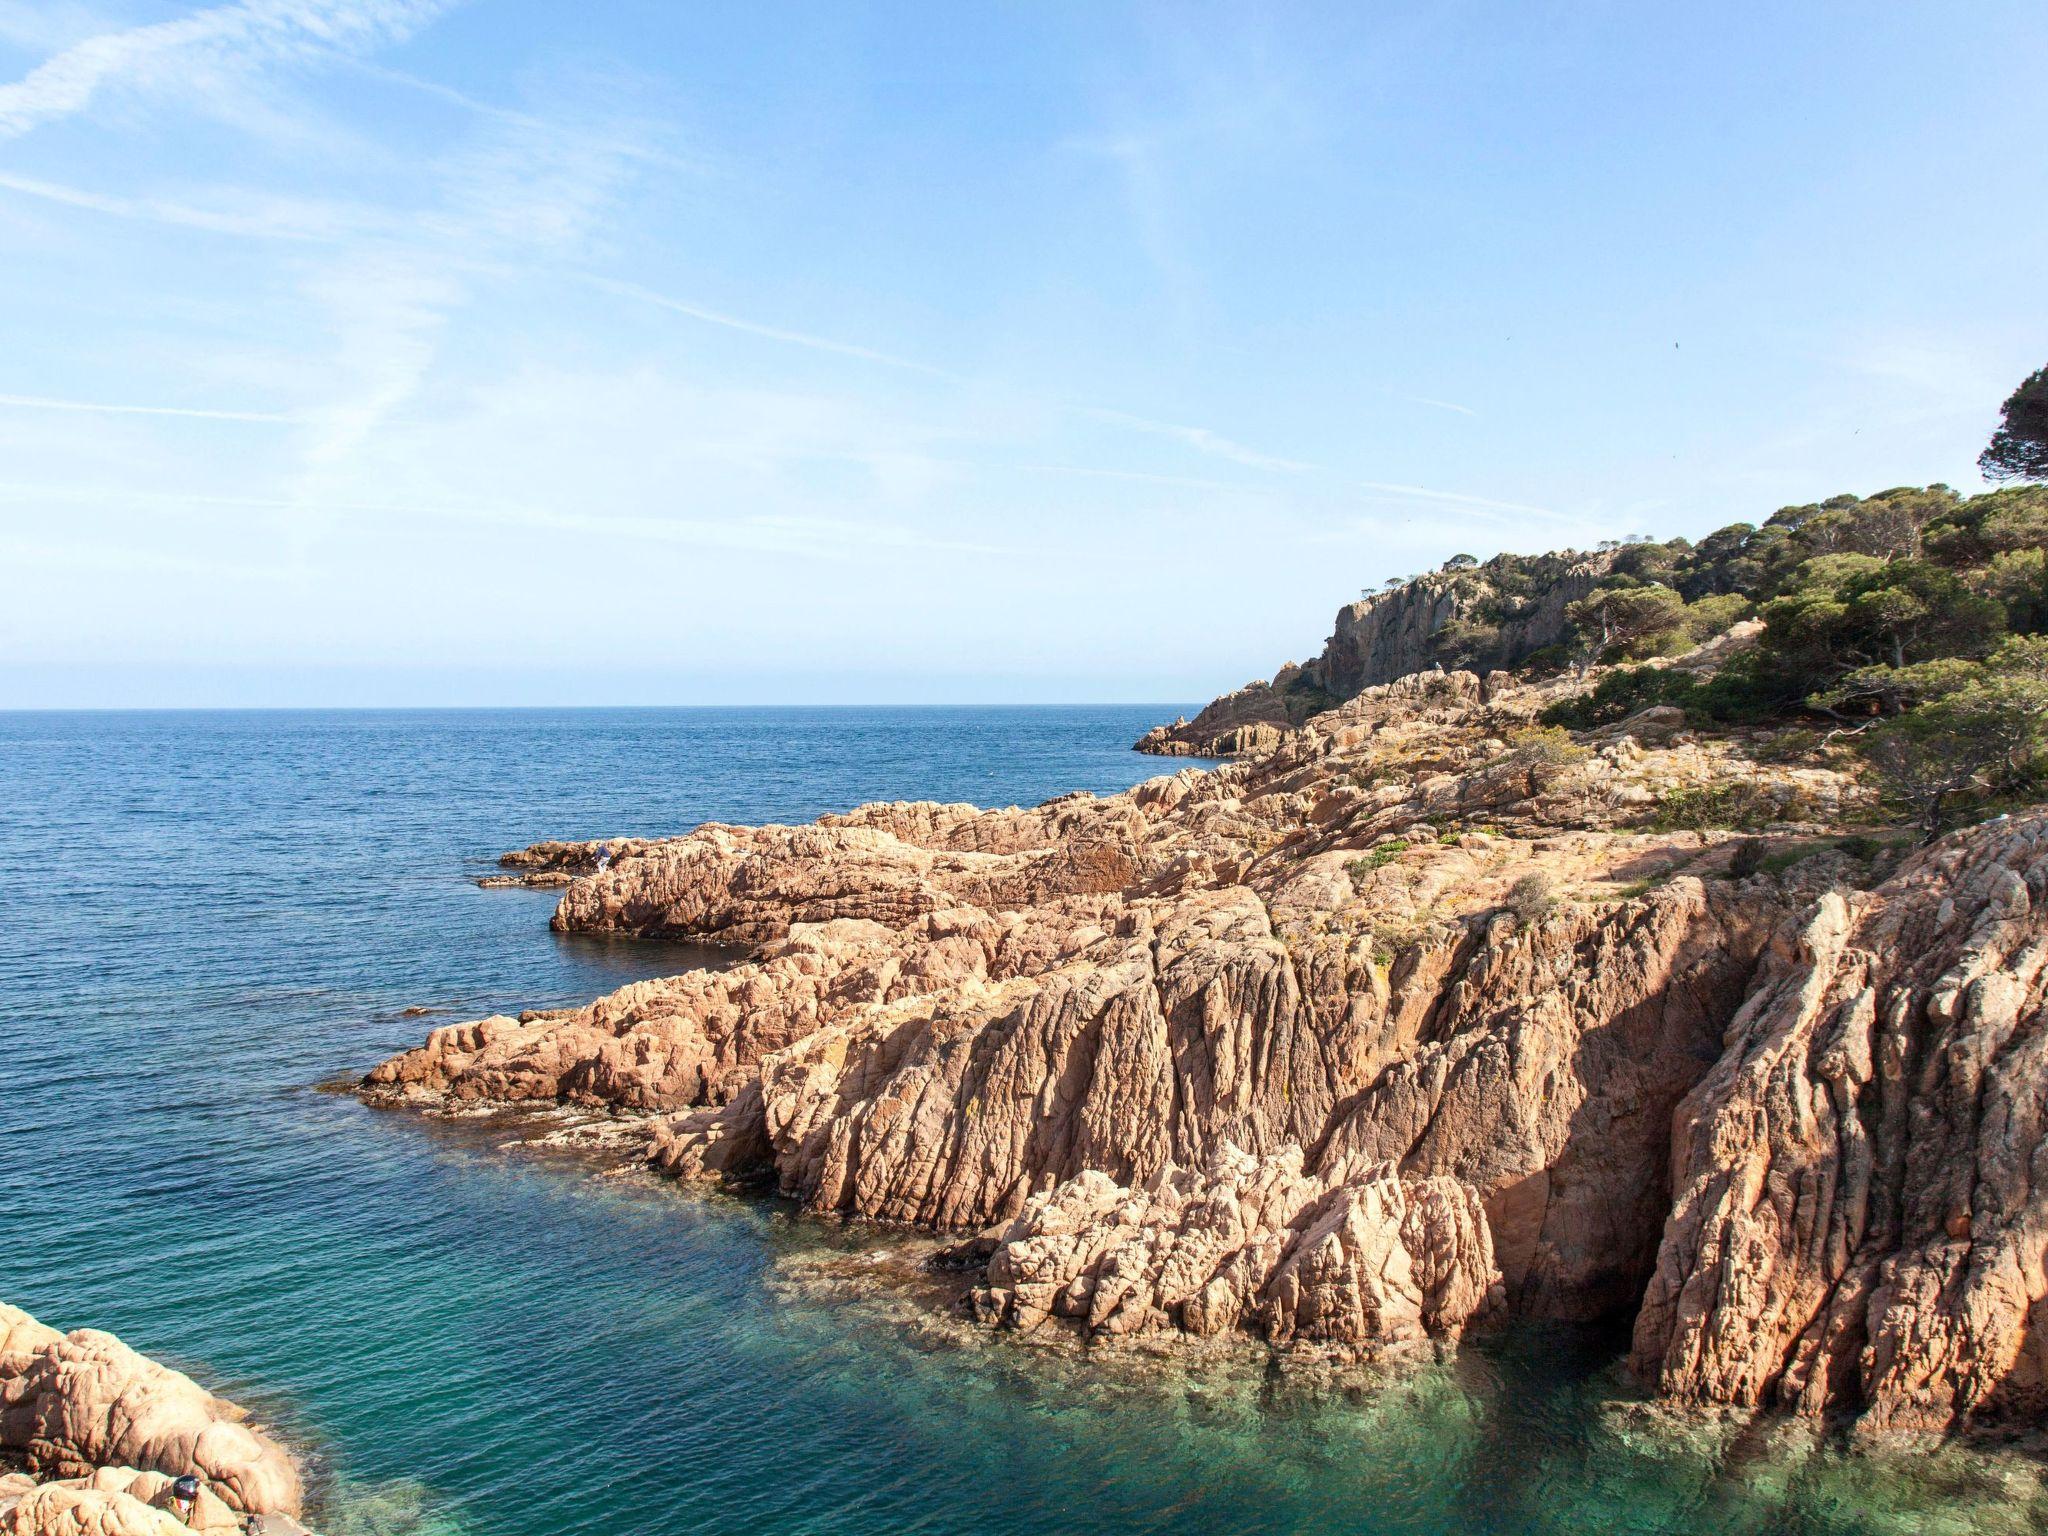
x=1607, y=984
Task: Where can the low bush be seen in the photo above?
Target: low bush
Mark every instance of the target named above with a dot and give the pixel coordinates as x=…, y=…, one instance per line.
x=1532, y=897
x=1620, y=694
x=1749, y=857
x=1736, y=806
x=1544, y=745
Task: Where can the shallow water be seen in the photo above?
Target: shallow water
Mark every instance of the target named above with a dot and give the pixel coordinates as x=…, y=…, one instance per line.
x=208, y=914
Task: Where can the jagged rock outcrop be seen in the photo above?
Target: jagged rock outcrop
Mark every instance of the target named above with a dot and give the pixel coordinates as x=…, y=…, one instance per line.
x=1253, y=719
x=1389, y=635
x=104, y=1430
x=1353, y=1256
x=1257, y=1049
x=1862, y=1211
x=554, y=864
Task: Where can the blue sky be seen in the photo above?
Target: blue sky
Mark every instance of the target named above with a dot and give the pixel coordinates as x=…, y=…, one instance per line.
x=394, y=351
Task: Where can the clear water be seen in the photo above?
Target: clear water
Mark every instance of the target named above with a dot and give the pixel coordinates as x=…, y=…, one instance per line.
x=205, y=915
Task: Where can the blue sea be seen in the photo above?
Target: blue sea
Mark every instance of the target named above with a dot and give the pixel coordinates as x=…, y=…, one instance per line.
x=207, y=916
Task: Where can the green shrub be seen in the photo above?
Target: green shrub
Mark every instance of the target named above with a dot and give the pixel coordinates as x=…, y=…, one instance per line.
x=1620, y=694
x=1377, y=858
x=1738, y=805
x=1544, y=745
x=1748, y=858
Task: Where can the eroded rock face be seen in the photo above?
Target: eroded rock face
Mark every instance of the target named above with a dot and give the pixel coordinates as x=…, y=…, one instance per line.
x=120, y=1501
x=74, y=1508
x=1270, y=1049
x=953, y=1016
x=74, y=1404
x=1355, y=1257
x=1862, y=1208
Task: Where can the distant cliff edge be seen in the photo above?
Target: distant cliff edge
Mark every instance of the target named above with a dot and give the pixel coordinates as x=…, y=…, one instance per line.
x=1470, y=616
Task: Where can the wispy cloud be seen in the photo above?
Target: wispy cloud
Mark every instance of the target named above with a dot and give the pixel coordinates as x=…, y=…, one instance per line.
x=165, y=54
x=1136, y=476
x=105, y=408
x=1452, y=498
x=771, y=332
x=1441, y=405
x=236, y=212
x=1202, y=440
x=807, y=536
x=599, y=138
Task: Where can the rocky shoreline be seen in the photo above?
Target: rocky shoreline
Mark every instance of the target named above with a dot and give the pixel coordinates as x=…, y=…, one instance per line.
x=1428, y=1017
x=98, y=1436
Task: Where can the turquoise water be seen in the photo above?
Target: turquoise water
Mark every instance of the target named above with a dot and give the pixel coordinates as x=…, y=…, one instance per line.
x=207, y=915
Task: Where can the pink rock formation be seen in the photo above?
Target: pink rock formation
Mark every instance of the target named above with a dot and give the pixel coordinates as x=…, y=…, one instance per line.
x=76, y=1509
x=1862, y=1212
x=1353, y=1257
x=72, y=1404
x=119, y=1501
x=1262, y=1050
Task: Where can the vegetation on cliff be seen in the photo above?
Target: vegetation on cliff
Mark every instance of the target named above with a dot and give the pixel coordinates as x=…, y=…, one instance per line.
x=1913, y=618
x=1604, y=982
x=1913, y=622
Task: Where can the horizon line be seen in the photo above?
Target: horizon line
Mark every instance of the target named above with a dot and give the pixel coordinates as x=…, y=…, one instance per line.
x=285, y=709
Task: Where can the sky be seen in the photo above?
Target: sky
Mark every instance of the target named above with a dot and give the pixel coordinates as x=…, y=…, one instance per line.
x=441, y=352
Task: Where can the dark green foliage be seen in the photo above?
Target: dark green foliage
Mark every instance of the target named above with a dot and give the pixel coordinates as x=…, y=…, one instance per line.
x=1622, y=693
x=1748, y=858
x=1709, y=615
x=1628, y=622
x=1873, y=607
x=2019, y=448
x=1986, y=738
x=1842, y=612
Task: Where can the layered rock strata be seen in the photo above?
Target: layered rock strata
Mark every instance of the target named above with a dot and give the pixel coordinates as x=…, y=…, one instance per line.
x=104, y=1431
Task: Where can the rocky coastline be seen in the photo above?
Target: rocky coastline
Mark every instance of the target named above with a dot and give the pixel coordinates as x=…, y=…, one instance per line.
x=1428, y=1017
x=94, y=1438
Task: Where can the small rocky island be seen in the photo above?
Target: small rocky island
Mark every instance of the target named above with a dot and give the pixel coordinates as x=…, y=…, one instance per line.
x=1682, y=954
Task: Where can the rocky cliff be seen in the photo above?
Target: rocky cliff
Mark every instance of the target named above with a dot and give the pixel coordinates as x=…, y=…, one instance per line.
x=1860, y=1214
x=103, y=1432
x=1485, y=617
x=1424, y=1018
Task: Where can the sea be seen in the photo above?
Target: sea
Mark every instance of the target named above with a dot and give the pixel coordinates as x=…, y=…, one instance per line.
x=208, y=919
